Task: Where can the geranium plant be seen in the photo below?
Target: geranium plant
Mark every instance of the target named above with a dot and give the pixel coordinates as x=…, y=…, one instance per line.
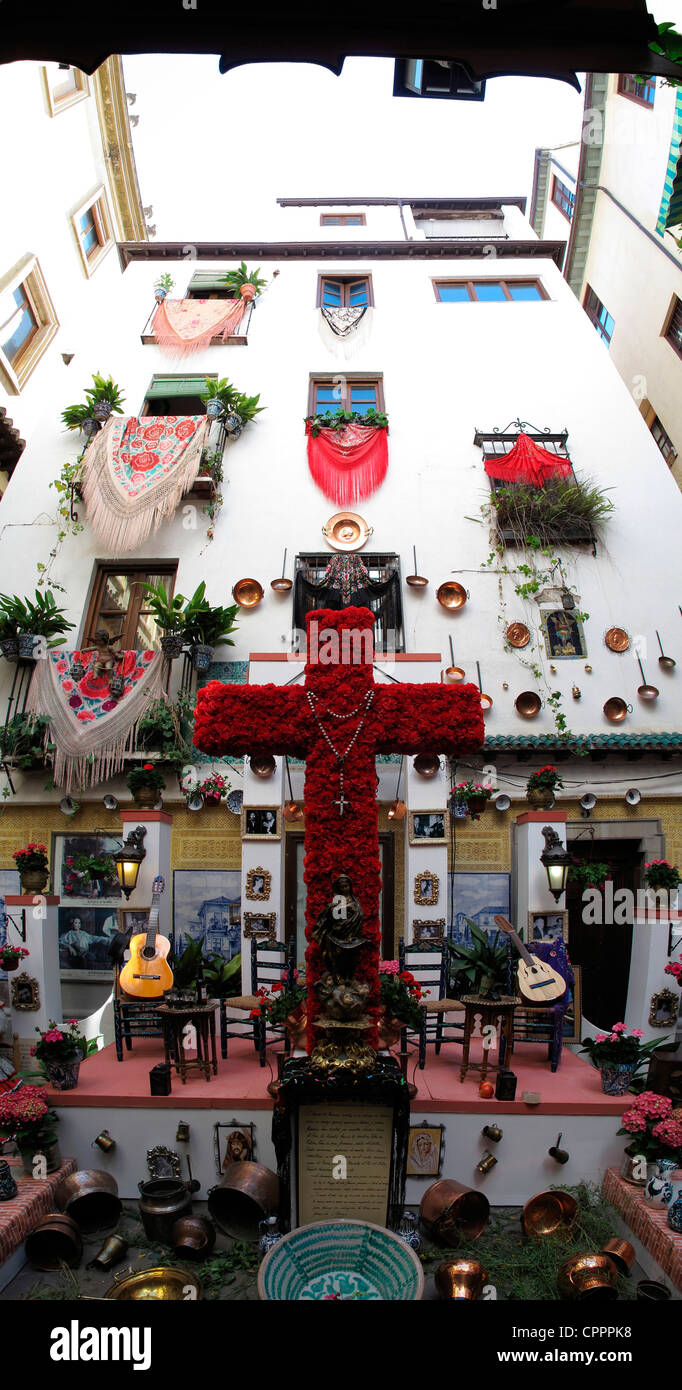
x=654, y=1129
x=472, y=794
x=674, y=968
x=145, y=776
x=26, y=1117
x=283, y=999
x=62, y=1044
x=213, y=788
x=546, y=779
x=400, y=994
x=11, y=955
x=30, y=858
x=660, y=874
x=619, y=1047
x=89, y=868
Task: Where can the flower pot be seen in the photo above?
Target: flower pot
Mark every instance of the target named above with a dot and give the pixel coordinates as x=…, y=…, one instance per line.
x=615, y=1079
x=212, y=798
x=540, y=798
x=658, y=1192
x=476, y=806
x=172, y=644
x=389, y=1031
x=233, y=424
x=33, y=880
x=90, y=427
x=160, y=295
x=63, y=1073
x=9, y=963
x=214, y=408
x=146, y=796
x=247, y=292
x=9, y=646
x=296, y=1025
x=202, y=657
x=25, y=643
x=51, y=1152
x=675, y=1214
x=102, y=410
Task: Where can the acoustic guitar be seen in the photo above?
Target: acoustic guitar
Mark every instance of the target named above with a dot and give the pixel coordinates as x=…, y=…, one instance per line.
x=537, y=982
x=147, y=975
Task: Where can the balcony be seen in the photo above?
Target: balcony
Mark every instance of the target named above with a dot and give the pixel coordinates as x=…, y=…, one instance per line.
x=240, y=339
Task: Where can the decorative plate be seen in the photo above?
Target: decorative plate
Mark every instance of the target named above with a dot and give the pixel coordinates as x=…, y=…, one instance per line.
x=617, y=639
x=347, y=531
x=233, y=801
x=344, y=1260
x=518, y=635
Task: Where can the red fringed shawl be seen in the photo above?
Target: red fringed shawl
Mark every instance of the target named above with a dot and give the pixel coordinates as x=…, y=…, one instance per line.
x=526, y=462
x=348, y=464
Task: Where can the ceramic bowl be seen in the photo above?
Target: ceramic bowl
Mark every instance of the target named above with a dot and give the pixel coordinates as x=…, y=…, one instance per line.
x=344, y=1260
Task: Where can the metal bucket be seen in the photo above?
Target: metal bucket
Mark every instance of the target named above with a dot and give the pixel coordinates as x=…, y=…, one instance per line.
x=246, y=1194
x=56, y=1240
x=162, y=1202
x=452, y=1212
x=90, y=1197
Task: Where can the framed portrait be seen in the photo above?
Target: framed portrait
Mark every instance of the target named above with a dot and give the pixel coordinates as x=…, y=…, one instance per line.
x=573, y=1017
x=478, y=897
x=260, y=924
x=85, y=937
x=133, y=919
x=71, y=877
x=207, y=903
x=233, y=1142
x=428, y=826
x=547, y=926
x=25, y=993
x=425, y=1147
x=663, y=1009
x=261, y=823
x=258, y=884
x=563, y=634
x=428, y=933
x=163, y=1162
x=426, y=888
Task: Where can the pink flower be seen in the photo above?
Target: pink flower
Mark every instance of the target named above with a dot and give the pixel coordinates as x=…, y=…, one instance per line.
x=637, y=1033
x=54, y=1035
x=613, y=1037
x=601, y=1037
x=618, y=1028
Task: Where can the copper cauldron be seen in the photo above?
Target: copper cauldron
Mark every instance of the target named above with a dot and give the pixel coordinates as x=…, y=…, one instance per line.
x=616, y=709
x=452, y=596
x=460, y=1279
x=620, y=1252
x=549, y=1213
x=192, y=1238
x=451, y=1212
x=90, y=1197
x=162, y=1202
x=246, y=1194
x=247, y=593
x=56, y=1240
x=587, y=1276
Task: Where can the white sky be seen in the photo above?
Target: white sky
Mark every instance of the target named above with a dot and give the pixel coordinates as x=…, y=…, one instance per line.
x=213, y=153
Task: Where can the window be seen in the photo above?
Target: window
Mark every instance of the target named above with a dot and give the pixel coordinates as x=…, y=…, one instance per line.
x=433, y=77
x=93, y=228
x=659, y=433
x=672, y=328
x=64, y=86
x=28, y=323
x=516, y=504
x=205, y=284
x=357, y=393
x=342, y=219
x=640, y=89
x=175, y=395
x=564, y=197
x=598, y=315
x=344, y=291
x=383, y=597
x=487, y=291
x=119, y=604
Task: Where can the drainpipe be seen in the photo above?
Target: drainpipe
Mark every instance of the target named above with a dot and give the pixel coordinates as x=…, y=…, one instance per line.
x=402, y=219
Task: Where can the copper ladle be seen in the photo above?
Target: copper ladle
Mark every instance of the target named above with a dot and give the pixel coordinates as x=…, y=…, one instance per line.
x=668, y=663
x=282, y=585
x=416, y=581
x=453, y=673
x=645, y=692
x=486, y=700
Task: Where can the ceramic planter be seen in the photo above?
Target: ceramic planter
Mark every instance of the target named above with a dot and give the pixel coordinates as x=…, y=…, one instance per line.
x=63, y=1073
x=675, y=1214
x=659, y=1189
x=160, y=295
x=33, y=880
x=172, y=644
x=214, y=408
x=9, y=646
x=102, y=410
x=540, y=798
x=615, y=1079
x=25, y=644
x=146, y=796
x=202, y=657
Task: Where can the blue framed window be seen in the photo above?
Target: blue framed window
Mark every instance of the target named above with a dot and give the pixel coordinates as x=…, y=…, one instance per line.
x=564, y=197
x=361, y=394
x=340, y=291
x=487, y=291
x=18, y=323
x=88, y=232
x=641, y=89
x=598, y=315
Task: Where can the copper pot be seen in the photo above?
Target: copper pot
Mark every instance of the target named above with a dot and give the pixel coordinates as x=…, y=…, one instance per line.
x=587, y=1275
x=246, y=1194
x=247, y=593
x=162, y=1202
x=452, y=596
x=397, y=811
x=262, y=764
x=163, y=1283
x=620, y=1252
x=452, y=1212
x=90, y=1197
x=549, y=1213
x=192, y=1237
x=528, y=704
x=426, y=764
x=54, y=1241
x=460, y=1279
x=616, y=709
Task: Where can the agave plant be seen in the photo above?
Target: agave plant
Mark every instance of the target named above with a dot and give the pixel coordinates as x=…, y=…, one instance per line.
x=482, y=967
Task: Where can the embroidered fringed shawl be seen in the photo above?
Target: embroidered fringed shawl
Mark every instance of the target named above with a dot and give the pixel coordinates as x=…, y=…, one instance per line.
x=348, y=464
x=344, y=330
x=184, y=326
x=90, y=730
x=135, y=473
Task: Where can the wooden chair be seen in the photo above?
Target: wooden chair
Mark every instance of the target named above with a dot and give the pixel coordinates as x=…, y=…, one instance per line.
x=429, y=965
x=270, y=960
x=543, y=1023
x=133, y=1018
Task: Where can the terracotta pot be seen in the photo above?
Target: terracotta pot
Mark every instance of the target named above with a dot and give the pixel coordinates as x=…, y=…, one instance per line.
x=476, y=805
x=248, y=292
x=211, y=799
x=146, y=796
x=33, y=880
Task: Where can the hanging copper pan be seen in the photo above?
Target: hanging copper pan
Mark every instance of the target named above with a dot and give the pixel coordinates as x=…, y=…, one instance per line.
x=453, y=673
x=617, y=639
x=397, y=810
x=262, y=764
x=486, y=700
x=247, y=593
x=426, y=764
x=528, y=704
x=416, y=580
x=292, y=811
x=282, y=585
x=518, y=635
x=667, y=663
x=646, y=692
x=616, y=709
x=347, y=531
x=452, y=596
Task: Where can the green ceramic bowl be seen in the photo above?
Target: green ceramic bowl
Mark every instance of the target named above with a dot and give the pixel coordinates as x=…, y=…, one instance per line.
x=345, y=1260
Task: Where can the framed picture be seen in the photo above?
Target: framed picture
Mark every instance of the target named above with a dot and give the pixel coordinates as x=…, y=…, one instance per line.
x=547, y=926
x=85, y=938
x=258, y=884
x=133, y=919
x=163, y=1162
x=573, y=1017
x=663, y=1009
x=477, y=898
x=426, y=889
x=260, y=924
x=425, y=1147
x=70, y=875
x=233, y=1142
x=261, y=823
x=207, y=903
x=425, y=933
x=25, y=994
x=427, y=825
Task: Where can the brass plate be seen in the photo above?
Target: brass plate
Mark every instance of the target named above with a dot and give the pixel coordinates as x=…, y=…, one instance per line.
x=347, y=531
x=162, y=1283
x=451, y=595
x=518, y=635
x=247, y=593
x=617, y=639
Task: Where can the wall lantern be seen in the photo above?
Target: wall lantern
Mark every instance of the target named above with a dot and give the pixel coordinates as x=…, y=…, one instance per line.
x=128, y=859
x=557, y=862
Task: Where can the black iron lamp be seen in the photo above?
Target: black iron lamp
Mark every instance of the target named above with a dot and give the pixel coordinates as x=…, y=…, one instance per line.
x=557, y=862
x=128, y=859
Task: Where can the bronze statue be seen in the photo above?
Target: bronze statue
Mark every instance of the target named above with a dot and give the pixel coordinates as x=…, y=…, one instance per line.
x=338, y=930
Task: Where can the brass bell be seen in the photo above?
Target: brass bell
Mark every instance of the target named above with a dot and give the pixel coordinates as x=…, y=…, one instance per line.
x=492, y=1132
x=104, y=1141
x=487, y=1162
x=182, y=1133
x=576, y=692
x=589, y=670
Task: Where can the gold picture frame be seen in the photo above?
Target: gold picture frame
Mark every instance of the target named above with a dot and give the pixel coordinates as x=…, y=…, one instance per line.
x=267, y=931
x=547, y=924
x=425, y=1147
x=261, y=823
x=25, y=993
x=253, y=877
x=428, y=933
x=423, y=896
x=424, y=823
x=663, y=1009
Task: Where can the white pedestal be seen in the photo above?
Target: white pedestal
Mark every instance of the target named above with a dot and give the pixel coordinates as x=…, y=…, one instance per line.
x=425, y=794
x=648, y=959
x=532, y=889
x=157, y=860
x=42, y=964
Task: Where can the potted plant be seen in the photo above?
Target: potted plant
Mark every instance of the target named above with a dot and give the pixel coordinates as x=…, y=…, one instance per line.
x=161, y=730
x=101, y=400
x=83, y=869
x=9, y=637
x=541, y=788
x=168, y=614
x=223, y=977
x=591, y=873
x=25, y=744
x=11, y=955
x=474, y=796
x=660, y=874
x=146, y=784
x=242, y=282
x=655, y=1134
x=32, y=863
x=223, y=399
x=61, y=1051
x=619, y=1055
x=214, y=789
x=338, y=419
x=208, y=628
x=400, y=994
x=31, y=620
x=163, y=286
x=287, y=1005
x=25, y=1117
x=674, y=968
x=480, y=969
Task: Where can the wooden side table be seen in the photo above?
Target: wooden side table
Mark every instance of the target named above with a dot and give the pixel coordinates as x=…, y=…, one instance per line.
x=175, y=1021
x=490, y=1010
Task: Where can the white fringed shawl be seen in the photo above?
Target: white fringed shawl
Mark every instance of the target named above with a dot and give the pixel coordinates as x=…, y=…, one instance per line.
x=135, y=472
